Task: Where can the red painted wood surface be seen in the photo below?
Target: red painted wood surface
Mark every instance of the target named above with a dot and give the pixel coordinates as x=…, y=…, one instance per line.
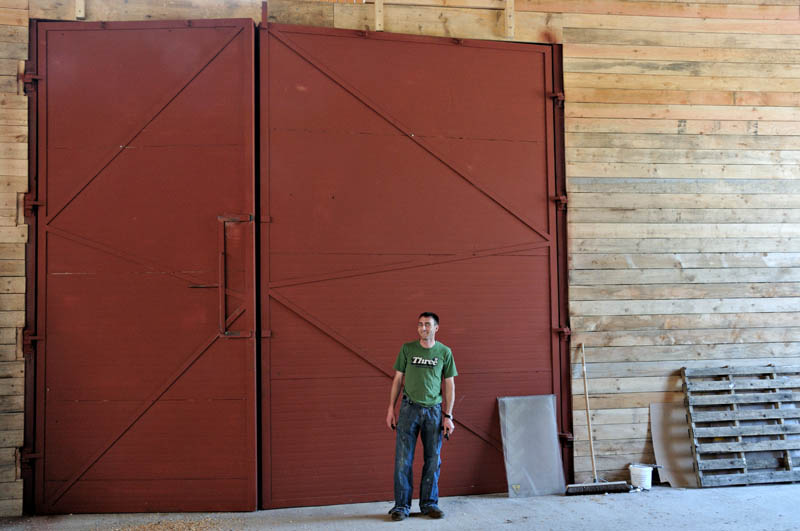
x=400, y=175
x=146, y=138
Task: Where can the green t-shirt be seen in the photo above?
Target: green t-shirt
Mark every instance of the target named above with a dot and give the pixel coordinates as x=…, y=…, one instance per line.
x=425, y=368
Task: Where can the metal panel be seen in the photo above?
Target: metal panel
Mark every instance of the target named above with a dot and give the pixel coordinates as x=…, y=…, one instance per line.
x=400, y=174
x=146, y=301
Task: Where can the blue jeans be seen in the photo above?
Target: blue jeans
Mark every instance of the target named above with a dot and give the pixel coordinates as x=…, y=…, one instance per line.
x=415, y=419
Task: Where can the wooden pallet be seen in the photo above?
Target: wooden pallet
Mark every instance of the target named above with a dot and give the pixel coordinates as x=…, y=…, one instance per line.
x=744, y=423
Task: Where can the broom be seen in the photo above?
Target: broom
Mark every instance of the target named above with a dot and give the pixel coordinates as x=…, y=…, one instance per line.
x=596, y=487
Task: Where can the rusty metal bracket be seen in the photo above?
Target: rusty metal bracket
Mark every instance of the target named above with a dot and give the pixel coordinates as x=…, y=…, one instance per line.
x=28, y=78
x=28, y=344
x=564, y=332
x=561, y=200
x=30, y=205
x=558, y=98
x=26, y=456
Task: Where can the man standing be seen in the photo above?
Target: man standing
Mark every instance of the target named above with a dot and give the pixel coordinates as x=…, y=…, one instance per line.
x=427, y=366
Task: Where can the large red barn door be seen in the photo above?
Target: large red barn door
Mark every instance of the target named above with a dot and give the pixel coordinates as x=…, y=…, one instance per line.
x=400, y=175
x=145, y=311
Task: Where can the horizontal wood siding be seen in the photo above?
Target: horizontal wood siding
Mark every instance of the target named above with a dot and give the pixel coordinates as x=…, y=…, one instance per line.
x=13, y=235
x=681, y=146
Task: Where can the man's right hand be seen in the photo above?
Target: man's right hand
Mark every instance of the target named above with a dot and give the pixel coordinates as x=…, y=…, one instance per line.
x=391, y=421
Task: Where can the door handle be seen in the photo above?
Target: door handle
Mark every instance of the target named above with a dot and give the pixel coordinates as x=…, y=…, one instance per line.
x=222, y=270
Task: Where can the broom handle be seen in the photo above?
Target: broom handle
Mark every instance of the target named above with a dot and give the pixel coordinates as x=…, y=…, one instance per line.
x=588, y=412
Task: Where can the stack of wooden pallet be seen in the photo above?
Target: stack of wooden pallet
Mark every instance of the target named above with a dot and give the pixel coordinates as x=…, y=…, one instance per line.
x=744, y=423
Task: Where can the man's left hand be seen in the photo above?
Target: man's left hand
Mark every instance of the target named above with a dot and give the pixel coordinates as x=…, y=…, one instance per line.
x=449, y=427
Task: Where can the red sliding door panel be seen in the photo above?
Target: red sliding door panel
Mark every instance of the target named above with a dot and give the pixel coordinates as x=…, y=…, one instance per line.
x=400, y=175
x=146, y=278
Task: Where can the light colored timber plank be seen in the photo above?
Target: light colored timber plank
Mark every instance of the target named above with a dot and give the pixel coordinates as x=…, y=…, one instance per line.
x=682, y=171
x=685, y=112
x=472, y=4
x=682, y=141
x=11, y=302
x=13, y=235
x=622, y=400
x=576, y=185
x=318, y=14
x=670, y=68
x=13, y=50
x=612, y=416
x=605, y=462
x=8, y=218
x=148, y=9
x=779, y=305
x=689, y=276
x=677, y=156
x=450, y=22
x=13, y=183
x=645, y=38
x=9, y=251
x=11, y=421
x=8, y=353
x=686, y=337
x=12, y=268
x=787, y=99
x=678, y=24
x=12, y=318
x=721, y=354
x=682, y=127
x=14, y=150
x=677, y=230
x=8, y=200
x=13, y=133
x=605, y=323
x=8, y=336
x=15, y=34
x=673, y=53
x=679, y=82
x=673, y=97
x=13, y=168
x=702, y=200
x=613, y=447
x=11, y=490
x=660, y=9
x=688, y=245
x=682, y=291
x=657, y=368
x=745, y=2
x=678, y=215
x=644, y=384
x=12, y=403
x=13, y=101
x=12, y=285
x=683, y=261
x=612, y=431
x=13, y=17
x=11, y=386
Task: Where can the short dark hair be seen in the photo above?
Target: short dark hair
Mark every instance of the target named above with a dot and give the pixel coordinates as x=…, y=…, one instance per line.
x=431, y=315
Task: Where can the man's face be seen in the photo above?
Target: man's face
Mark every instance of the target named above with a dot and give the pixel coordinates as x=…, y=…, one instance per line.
x=427, y=327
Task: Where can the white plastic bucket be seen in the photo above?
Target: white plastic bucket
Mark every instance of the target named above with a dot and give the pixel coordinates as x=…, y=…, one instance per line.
x=641, y=476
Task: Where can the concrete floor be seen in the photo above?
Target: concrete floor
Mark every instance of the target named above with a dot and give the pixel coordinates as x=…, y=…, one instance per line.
x=761, y=508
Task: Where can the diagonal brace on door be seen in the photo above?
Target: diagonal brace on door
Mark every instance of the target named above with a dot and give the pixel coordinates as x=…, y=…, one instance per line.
x=411, y=264
x=342, y=340
x=406, y=131
x=138, y=131
x=145, y=407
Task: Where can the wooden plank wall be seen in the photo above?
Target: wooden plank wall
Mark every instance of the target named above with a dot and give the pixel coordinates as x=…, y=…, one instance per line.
x=13, y=235
x=682, y=131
